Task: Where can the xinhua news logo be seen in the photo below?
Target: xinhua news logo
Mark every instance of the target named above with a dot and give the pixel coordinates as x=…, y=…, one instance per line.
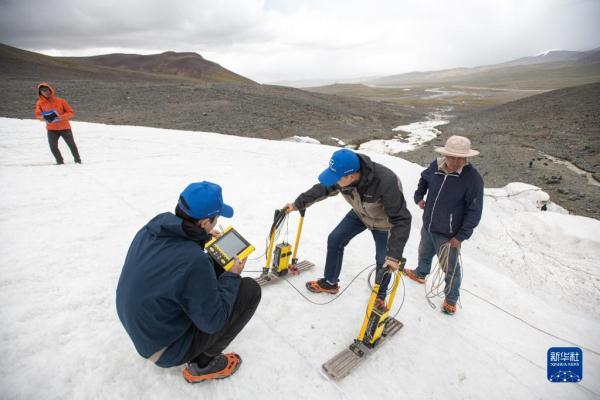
x=565, y=364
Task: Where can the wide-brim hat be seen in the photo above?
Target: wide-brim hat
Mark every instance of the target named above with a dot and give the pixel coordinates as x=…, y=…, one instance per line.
x=457, y=146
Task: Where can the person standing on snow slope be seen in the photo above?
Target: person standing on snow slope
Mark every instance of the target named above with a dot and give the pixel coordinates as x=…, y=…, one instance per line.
x=56, y=112
x=375, y=194
x=176, y=304
x=453, y=209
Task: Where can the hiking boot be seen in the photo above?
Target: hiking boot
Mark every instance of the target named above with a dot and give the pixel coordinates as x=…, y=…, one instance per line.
x=220, y=367
x=448, y=308
x=322, y=286
x=412, y=275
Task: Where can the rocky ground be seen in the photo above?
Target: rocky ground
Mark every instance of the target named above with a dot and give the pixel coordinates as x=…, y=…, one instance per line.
x=263, y=111
x=564, y=123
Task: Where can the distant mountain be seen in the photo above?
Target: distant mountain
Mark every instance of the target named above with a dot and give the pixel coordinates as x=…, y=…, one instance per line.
x=304, y=83
x=309, y=83
x=22, y=64
x=591, y=57
x=549, y=70
x=17, y=63
x=169, y=66
x=545, y=57
x=186, y=65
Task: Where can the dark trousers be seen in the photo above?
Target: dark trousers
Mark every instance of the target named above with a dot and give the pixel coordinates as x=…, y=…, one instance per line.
x=67, y=135
x=243, y=309
x=430, y=246
x=347, y=229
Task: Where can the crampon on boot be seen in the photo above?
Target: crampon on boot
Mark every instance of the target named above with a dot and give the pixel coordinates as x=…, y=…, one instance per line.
x=412, y=275
x=448, y=308
x=380, y=304
x=322, y=286
x=220, y=367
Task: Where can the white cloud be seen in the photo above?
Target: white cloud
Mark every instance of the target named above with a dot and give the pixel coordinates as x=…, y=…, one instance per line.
x=280, y=39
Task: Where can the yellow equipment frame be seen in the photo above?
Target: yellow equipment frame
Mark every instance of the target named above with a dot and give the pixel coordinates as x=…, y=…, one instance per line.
x=375, y=319
x=281, y=266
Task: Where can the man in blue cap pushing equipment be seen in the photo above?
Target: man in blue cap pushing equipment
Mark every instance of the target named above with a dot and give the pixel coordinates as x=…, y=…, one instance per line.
x=176, y=304
x=375, y=194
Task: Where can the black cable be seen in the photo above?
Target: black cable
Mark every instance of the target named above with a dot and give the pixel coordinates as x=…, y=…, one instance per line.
x=336, y=297
x=277, y=225
x=389, y=290
x=349, y=284
x=403, y=296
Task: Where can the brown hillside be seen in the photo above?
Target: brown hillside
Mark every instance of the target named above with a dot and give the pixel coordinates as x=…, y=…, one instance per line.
x=187, y=65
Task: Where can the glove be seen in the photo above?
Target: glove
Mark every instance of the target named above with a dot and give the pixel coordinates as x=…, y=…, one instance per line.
x=394, y=264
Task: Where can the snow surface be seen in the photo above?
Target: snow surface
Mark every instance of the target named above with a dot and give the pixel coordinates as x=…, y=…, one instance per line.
x=302, y=139
x=418, y=133
x=340, y=142
x=65, y=231
x=545, y=53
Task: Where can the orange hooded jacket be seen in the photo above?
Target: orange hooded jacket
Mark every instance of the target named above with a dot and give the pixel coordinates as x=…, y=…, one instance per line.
x=60, y=106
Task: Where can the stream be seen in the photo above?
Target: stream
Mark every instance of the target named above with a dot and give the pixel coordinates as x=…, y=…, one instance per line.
x=591, y=180
x=413, y=135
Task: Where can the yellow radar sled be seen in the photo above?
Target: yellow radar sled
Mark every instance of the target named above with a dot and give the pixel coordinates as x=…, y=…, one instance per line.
x=377, y=327
x=281, y=260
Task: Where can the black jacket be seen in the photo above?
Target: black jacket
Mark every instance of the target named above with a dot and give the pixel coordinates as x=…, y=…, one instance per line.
x=454, y=201
x=376, y=198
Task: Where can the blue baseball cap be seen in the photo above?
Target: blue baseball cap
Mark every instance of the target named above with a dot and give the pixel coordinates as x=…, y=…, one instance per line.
x=204, y=200
x=343, y=162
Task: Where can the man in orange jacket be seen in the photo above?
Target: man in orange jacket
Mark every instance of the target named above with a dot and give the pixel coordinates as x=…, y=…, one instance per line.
x=56, y=112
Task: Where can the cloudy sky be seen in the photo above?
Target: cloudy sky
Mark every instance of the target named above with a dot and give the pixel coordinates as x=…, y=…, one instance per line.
x=275, y=40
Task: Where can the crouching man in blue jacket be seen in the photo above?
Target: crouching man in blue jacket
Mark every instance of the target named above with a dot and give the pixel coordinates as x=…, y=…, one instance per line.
x=452, y=210
x=176, y=304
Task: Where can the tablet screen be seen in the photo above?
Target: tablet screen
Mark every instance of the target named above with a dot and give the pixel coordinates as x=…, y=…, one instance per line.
x=231, y=244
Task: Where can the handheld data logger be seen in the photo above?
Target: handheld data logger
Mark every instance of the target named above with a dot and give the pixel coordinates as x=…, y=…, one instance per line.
x=228, y=246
